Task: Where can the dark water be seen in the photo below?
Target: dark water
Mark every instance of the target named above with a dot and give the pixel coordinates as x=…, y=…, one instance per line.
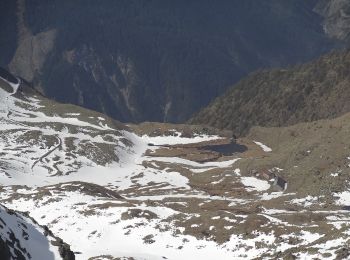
x=226, y=149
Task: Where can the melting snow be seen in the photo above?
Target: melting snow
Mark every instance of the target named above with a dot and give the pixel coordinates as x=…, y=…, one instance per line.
x=306, y=202
x=177, y=139
x=343, y=198
x=264, y=147
x=254, y=184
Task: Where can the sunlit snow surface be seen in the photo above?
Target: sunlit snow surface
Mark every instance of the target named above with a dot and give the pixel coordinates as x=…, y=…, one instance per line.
x=29, y=237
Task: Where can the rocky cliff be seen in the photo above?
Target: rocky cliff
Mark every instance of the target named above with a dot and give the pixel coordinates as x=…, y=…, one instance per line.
x=336, y=15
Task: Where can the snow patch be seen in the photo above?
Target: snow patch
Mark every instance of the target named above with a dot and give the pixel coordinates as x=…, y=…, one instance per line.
x=254, y=184
x=264, y=147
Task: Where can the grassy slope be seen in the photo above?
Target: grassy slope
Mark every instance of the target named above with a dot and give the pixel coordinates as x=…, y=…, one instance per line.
x=280, y=97
x=308, y=152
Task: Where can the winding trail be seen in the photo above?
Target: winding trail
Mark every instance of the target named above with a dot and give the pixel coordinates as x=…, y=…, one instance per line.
x=48, y=152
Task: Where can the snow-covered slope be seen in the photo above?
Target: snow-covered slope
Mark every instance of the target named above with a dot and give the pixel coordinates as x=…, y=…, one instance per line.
x=36, y=143
x=22, y=238
x=43, y=144
x=154, y=191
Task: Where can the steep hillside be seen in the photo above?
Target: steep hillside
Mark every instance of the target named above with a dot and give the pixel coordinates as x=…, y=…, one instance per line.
x=22, y=238
x=279, y=97
x=55, y=139
x=148, y=60
x=8, y=33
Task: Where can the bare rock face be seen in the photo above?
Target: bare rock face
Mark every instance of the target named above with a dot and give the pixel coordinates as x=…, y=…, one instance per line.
x=4, y=250
x=32, y=50
x=32, y=53
x=337, y=18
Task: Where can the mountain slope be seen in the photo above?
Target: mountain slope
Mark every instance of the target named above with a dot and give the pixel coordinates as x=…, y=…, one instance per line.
x=22, y=238
x=117, y=56
x=156, y=191
x=279, y=97
x=53, y=140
